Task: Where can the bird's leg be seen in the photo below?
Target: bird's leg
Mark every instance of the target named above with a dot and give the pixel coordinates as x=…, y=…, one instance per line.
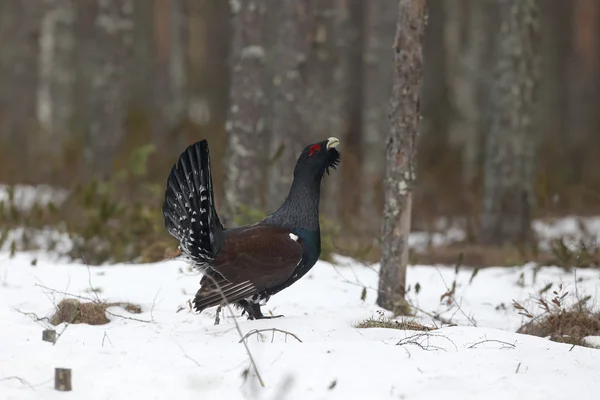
x=218, y=316
x=254, y=312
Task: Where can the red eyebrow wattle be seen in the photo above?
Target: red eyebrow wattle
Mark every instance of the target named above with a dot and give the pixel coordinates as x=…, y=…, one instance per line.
x=314, y=148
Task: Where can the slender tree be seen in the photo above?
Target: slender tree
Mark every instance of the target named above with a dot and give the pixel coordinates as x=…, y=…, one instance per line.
x=289, y=96
x=247, y=147
x=326, y=83
x=401, y=150
x=583, y=87
x=171, y=30
x=509, y=157
x=352, y=35
x=466, y=52
x=19, y=26
x=378, y=78
x=105, y=41
x=56, y=77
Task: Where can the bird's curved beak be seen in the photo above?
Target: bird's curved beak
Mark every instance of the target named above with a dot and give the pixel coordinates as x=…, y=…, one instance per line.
x=332, y=142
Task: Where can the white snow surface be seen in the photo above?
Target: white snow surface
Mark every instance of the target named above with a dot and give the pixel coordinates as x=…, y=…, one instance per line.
x=26, y=196
x=162, y=354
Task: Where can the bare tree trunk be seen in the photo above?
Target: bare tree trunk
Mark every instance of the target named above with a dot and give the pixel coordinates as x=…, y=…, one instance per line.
x=326, y=90
x=583, y=88
x=464, y=79
x=509, y=164
x=335, y=76
x=378, y=79
x=20, y=28
x=210, y=42
x=56, y=78
x=288, y=136
x=246, y=155
x=106, y=44
x=401, y=151
x=172, y=38
x=352, y=47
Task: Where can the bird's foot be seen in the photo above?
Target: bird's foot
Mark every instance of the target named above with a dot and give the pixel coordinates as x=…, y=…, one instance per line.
x=269, y=316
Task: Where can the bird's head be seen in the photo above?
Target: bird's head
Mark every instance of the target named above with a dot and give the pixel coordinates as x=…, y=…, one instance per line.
x=318, y=158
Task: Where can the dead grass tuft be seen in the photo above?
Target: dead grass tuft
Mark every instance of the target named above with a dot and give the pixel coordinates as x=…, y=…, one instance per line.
x=73, y=311
x=565, y=327
x=388, y=323
x=561, y=324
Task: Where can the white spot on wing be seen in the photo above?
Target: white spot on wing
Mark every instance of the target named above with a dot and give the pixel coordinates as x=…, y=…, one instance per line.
x=293, y=237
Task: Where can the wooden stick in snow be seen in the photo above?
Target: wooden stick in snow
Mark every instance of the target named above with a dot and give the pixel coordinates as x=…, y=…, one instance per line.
x=62, y=379
x=49, y=335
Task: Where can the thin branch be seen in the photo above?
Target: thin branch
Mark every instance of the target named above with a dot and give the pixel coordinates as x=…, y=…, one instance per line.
x=273, y=330
x=106, y=337
x=218, y=315
x=90, y=278
x=16, y=378
x=153, y=305
x=470, y=319
x=239, y=330
x=126, y=317
x=34, y=316
x=65, y=293
x=425, y=336
x=505, y=344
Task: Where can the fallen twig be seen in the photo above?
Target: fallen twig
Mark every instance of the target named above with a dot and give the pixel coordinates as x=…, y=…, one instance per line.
x=418, y=338
x=125, y=317
x=239, y=330
x=16, y=378
x=505, y=344
x=273, y=330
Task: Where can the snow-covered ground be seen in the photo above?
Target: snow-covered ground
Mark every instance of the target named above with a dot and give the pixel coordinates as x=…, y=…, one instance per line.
x=162, y=354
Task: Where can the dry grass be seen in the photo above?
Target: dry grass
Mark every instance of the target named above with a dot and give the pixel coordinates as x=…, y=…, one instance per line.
x=388, y=323
x=565, y=326
x=73, y=311
x=559, y=323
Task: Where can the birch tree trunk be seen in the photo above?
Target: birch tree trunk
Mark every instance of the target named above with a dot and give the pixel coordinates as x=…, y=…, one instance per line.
x=247, y=148
x=288, y=129
x=510, y=149
x=55, y=102
x=378, y=79
x=401, y=151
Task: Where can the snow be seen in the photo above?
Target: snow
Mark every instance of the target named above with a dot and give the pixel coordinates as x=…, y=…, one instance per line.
x=162, y=353
x=26, y=196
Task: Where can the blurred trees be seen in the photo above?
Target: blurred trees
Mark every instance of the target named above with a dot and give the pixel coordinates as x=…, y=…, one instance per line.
x=289, y=130
x=508, y=194
x=248, y=147
x=84, y=84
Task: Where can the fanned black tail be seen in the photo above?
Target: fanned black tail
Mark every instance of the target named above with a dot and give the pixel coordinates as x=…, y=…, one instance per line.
x=189, y=208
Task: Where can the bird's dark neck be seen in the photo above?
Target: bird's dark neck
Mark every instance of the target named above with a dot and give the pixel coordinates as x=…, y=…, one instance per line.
x=301, y=207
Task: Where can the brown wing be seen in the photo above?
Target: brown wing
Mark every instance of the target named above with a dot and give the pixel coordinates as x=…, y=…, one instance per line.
x=250, y=260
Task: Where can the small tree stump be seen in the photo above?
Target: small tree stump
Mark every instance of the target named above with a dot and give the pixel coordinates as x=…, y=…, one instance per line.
x=49, y=335
x=62, y=379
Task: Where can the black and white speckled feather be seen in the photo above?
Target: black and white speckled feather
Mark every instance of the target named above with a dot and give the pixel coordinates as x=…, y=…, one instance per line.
x=188, y=208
